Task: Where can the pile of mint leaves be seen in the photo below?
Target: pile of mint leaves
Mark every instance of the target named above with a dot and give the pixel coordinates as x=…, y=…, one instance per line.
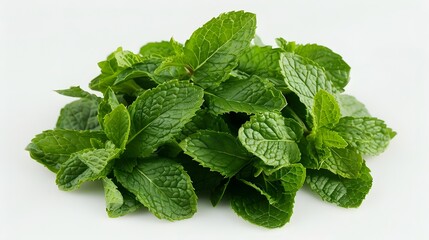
x=222, y=116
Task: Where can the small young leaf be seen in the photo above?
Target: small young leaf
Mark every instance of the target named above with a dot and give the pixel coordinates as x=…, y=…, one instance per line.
x=117, y=126
x=326, y=111
x=350, y=106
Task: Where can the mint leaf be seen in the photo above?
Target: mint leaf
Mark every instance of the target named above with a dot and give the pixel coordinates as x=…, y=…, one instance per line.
x=348, y=193
x=263, y=62
x=272, y=138
x=212, y=51
x=250, y=95
x=221, y=152
x=350, y=106
x=303, y=77
x=162, y=186
x=326, y=111
x=336, y=69
x=255, y=208
x=79, y=115
x=204, y=120
x=76, y=91
x=117, y=126
x=345, y=162
x=292, y=177
x=141, y=73
x=157, y=49
x=53, y=147
x=119, y=201
x=159, y=114
x=367, y=135
x=218, y=192
x=328, y=138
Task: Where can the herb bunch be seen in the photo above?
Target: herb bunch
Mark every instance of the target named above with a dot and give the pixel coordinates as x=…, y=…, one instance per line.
x=221, y=114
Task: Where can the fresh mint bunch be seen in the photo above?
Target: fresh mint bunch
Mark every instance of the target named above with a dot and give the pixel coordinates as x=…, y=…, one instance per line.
x=220, y=114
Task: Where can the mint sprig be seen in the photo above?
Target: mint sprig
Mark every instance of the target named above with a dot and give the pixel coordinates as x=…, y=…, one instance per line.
x=249, y=124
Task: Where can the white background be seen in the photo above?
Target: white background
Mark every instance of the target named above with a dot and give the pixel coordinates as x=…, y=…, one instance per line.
x=51, y=44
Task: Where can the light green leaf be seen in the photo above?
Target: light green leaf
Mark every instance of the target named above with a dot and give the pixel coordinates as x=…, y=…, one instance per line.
x=272, y=138
x=79, y=115
x=98, y=159
x=119, y=201
x=157, y=49
x=53, y=147
x=212, y=50
x=76, y=91
x=221, y=152
x=255, y=208
x=162, y=186
x=159, y=114
x=345, y=162
x=250, y=95
x=303, y=77
x=203, y=119
x=368, y=135
x=336, y=69
x=348, y=193
x=117, y=126
x=326, y=112
x=125, y=59
x=350, y=106
x=140, y=72
x=291, y=177
x=263, y=62
x=328, y=138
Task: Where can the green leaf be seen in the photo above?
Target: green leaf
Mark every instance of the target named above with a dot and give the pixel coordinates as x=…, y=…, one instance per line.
x=272, y=138
x=263, y=62
x=350, y=106
x=291, y=177
x=79, y=115
x=218, y=192
x=162, y=186
x=336, y=69
x=303, y=77
x=97, y=160
x=109, y=102
x=117, y=126
x=53, y=147
x=348, y=193
x=221, y=152
x=157, y=49
x=143, y=70
x=250, y=95
x=368, y=135
x=204, y=120
x=273, y=190
x=345, y=162
x=159, y=114
x=255, y=208
x=328, y=138
x=212, y=50
x=119, y=201
x=326, y=112
x=76, y=91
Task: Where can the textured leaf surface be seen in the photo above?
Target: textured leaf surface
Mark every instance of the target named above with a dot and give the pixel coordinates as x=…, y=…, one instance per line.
x=350, y=106
x=159, y=114
x=336, y=69
x=255, y=208
x=367, y=135
x=291, y=177
x=204, y=120
x=162, y=186
x=345, y=162
x=157, y=49
x=303, y=77
x=348, y=193
x=263, y=62
x=272, y=138
x=79, y=115
x=117, y=126
x=119, y=201
x=328, y=138
x=221, y=152
x=53, y=147
x=326, y=111
x=250, y=95
x=212, y=50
